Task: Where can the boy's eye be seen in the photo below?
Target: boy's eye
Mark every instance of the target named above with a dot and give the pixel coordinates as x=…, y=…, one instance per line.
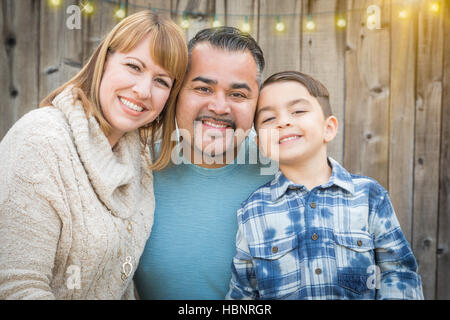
x=299, y=111
x=268, y=119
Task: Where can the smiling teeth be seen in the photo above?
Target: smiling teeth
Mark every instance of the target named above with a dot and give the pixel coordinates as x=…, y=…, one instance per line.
x=131, y=105
x=289, y=139
x=215, y=125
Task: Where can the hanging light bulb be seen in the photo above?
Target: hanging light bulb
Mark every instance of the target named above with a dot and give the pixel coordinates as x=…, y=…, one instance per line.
x=216, y=22
x=246, y=25
x=341, y=22
x=403, y=14
x=185, y=22
x=435, y=7
x=310, y=25
x=120, y=13
x=87, y=7
x=280, y=27
x=54, y=3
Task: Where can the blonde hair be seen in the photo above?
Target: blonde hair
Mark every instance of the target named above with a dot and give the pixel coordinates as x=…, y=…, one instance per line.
x=167, y=48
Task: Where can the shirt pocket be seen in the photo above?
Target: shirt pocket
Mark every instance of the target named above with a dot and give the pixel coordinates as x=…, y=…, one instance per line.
x=276, y=265
x=355, y=262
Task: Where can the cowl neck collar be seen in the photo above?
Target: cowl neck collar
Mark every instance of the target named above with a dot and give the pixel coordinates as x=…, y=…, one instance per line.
x=116, y=174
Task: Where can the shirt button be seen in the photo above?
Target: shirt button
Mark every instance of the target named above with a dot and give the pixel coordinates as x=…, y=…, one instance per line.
x=313, y=205
x=275, y=249
x=359, y=243
x=318, y=271
x=315, y=237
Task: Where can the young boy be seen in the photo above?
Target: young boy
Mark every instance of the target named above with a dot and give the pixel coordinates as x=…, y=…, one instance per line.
x=315, y=231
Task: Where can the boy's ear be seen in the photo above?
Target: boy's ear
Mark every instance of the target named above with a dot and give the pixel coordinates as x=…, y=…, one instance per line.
x=331, y=128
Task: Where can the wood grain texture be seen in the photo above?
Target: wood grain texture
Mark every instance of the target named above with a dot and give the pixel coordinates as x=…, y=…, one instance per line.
x=427, y=144
x=367, y=93
x=282, y=50
x=402, y=115
x=19, y=60
x=322, y=56
x=443, y=253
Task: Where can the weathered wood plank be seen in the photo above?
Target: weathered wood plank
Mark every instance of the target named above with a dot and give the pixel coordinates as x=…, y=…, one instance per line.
x=427, y=144
x=402, y=105
x=62, y=54
x=282, y=50
x=443, y=257
x=19, y=60
x=198, y=13
x=233, y=12
x=322, y=56
x=367, y=93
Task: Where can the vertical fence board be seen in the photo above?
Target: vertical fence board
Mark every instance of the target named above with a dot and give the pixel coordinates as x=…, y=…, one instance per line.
x=443, y=261
x=427, y=144
x=232, y=13
x=199, y=14
x=402, y=105
x=282, y=50
x=19, y=56
x=322, y=57
x=367, y=93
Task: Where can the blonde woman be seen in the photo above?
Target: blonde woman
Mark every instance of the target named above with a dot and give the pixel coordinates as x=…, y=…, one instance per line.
x=76, y=184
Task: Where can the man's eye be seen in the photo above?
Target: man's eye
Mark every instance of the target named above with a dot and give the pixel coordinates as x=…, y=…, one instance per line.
x=203, y=89
x=133, y=66
x=238, y=95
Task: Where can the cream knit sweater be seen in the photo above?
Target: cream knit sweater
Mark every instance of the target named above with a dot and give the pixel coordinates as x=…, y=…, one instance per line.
x=71, y=208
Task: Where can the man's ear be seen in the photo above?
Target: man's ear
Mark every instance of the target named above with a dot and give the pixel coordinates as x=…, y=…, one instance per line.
x=331, y=128
x=257, y=140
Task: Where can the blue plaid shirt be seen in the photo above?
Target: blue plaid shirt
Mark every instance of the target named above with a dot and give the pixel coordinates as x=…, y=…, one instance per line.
x=340, y=240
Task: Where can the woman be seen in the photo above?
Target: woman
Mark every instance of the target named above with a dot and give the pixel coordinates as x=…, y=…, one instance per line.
x=76, y=186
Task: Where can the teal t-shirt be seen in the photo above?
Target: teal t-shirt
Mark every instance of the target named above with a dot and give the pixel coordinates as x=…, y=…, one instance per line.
x=192, y=242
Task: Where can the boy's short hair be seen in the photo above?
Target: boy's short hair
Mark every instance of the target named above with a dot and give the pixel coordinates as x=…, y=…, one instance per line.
x=314, y=87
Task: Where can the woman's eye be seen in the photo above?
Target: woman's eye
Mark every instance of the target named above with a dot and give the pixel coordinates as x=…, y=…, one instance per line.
x=133, y=66
x=163, y=82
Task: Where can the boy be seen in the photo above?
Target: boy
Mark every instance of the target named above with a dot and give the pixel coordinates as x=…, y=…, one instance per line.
x=315, y=231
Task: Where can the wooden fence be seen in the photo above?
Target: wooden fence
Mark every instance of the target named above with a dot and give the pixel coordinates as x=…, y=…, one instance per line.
x=390, y=86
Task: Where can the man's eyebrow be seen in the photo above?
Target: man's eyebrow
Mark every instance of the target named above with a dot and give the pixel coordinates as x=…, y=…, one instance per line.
x=205, y=80
x=240, y=86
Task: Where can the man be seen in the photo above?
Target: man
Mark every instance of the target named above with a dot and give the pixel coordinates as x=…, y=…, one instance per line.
x=190, y=250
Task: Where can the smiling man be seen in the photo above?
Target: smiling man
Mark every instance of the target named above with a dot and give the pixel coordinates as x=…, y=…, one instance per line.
x=190, y=250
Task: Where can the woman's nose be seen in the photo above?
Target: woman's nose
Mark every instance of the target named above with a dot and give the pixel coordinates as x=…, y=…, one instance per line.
x=143, y=89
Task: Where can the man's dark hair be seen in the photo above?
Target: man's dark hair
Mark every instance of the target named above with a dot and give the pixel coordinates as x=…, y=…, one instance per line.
x=231, y=39
x=314, y=87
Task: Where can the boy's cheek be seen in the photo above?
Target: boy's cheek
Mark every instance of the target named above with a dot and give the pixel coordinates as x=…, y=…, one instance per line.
x=267, y=141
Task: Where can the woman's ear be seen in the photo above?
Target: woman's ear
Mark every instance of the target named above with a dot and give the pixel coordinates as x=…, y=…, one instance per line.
x=331, y=129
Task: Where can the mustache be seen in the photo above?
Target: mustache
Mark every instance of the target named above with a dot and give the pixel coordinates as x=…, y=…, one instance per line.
x=228, y=121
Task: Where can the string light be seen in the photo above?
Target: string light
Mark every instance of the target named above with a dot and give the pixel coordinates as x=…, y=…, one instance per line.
x=54, y=3
x=185, y=22
x=88, y=8
x=310, y=25
x=403, y=14
x=341, y=22
x=280, y=27
x=216, y=22
x=435, y=7
x=246, y=25
x=120, y=13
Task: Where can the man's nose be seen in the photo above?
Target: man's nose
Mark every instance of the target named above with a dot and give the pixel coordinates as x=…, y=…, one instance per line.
x=219, y=105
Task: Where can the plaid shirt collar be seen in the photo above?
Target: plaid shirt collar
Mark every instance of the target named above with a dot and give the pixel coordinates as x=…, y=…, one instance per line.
x=339, y=177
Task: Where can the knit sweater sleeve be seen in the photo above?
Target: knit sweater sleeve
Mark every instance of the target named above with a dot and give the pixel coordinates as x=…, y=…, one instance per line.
x=30, y=201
